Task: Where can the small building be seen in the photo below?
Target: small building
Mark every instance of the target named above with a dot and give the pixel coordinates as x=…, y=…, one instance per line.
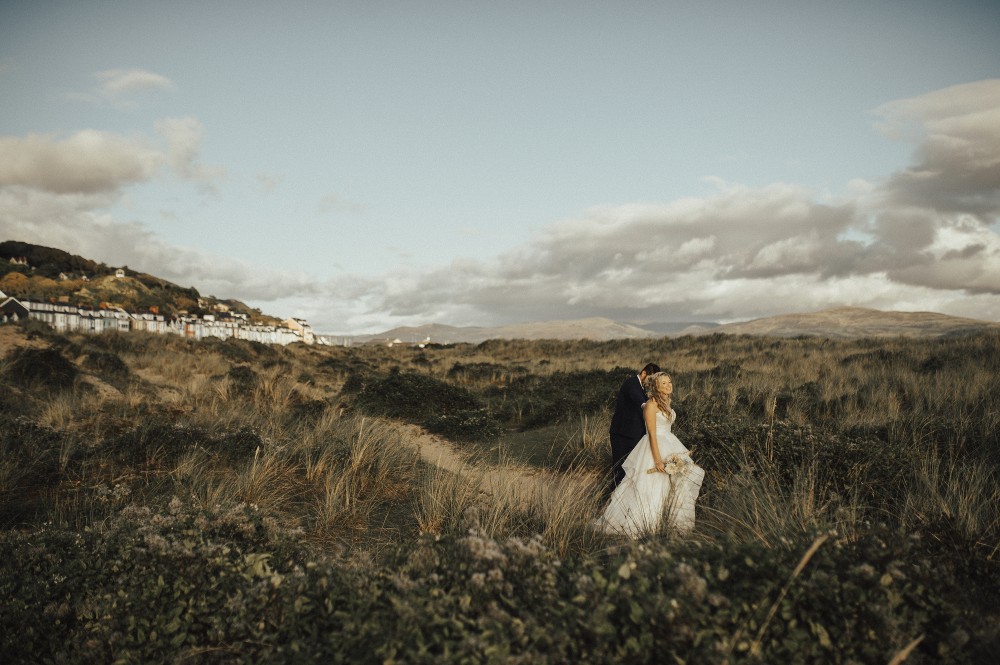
x=301, y=328
x=120, y=272
x=150, y=322
x=11, y=310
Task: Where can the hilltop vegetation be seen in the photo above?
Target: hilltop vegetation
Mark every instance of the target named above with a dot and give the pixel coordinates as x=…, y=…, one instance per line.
x=163, y=500
x=58, y=276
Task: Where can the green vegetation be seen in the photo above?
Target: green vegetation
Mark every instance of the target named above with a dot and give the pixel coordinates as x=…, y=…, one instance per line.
x=166, y=500
x=58, y=276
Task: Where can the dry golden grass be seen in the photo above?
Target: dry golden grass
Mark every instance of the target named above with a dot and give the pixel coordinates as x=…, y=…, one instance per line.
x=967, y=494
x=444, y=498
x=337, y=474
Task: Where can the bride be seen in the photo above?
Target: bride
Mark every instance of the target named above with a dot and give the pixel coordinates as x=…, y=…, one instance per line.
x=661, y=480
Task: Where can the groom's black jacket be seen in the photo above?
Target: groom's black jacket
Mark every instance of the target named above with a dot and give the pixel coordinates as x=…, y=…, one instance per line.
x=627, y=420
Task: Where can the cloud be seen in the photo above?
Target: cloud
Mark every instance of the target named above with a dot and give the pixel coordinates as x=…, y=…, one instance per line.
x=924, y=237
x=91, y=161
x=78, y=223
x=116, y=81
x=957, y=160
x=120, y=88
x=88, y=161
x=57, y=192
x=183, y=136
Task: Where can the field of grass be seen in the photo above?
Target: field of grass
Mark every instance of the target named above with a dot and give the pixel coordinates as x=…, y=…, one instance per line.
x=164, y=500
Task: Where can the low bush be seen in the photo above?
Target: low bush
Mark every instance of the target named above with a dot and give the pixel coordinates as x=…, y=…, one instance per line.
x=872, y=471
x=108, y=364
x=231, y=586
x=45, y=369
x=440, y=407
x=30, y=466
x=242, y=381
x=539, y=400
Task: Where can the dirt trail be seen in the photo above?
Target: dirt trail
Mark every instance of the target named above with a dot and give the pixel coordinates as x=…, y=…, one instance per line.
x=526, y=483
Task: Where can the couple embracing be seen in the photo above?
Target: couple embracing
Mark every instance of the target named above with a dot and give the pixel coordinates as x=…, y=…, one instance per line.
x=654, y=478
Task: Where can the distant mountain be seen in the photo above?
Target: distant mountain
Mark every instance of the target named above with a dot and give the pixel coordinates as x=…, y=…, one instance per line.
x=598, y=329
x=435, y=332
x=853, y=322
x=680, y=327
x=840, y=322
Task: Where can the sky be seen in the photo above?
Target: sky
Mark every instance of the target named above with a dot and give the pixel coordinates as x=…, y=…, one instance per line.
x=371, y=164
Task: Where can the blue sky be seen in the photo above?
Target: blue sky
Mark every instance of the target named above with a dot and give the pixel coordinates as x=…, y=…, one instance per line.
x=379, y=163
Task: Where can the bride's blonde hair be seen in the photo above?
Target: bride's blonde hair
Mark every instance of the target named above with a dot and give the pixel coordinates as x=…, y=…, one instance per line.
x=662, y=400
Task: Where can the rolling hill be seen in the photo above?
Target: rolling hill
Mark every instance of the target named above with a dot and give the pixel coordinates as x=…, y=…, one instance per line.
x=598, y=329
x=38, y=273
x=854, y=322
x=839, y=322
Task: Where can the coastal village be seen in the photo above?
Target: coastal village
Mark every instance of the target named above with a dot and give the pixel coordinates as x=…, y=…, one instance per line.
x=199, y=318
x=222, y=322
x=67, y=318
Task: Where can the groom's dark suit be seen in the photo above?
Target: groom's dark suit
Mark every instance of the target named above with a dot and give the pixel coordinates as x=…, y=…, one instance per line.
x=627, y=425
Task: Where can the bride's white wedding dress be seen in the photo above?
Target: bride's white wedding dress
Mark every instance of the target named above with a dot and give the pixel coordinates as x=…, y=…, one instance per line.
x=642, y=500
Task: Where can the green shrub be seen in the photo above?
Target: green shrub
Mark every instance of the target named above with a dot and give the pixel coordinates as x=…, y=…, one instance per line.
x=30, y=467
x=242, y=381
x=535, y=401
x=108, y=364
x=440, y=407
x=175, y=584
x=154, y=443
x=39, y=369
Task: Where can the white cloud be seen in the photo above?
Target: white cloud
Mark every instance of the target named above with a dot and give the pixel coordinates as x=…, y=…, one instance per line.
x=56, y=192
x=123, y=88
x=78, y=223
x=183, y=136
x=925, y=237
x=86, y=162
x=957, y=161
x=91, y=161
x=116, y=81
x=922, y=238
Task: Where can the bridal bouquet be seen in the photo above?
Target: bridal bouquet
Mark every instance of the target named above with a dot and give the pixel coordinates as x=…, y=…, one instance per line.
x=673, y=464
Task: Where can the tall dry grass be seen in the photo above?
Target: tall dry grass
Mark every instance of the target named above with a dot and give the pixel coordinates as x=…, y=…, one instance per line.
x=966, y=493
x=446, y=498
x=584, y=441
x=335, y=475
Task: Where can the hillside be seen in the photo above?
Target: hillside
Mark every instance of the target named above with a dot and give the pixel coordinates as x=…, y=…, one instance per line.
x=53, y=275
x=596, y=329
x=854, y=322
x=837, y=323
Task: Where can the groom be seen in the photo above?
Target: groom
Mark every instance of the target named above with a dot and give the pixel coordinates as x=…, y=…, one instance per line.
x=627, y=425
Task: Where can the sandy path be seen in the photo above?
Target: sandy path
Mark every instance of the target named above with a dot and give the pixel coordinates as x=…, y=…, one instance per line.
x=525, y=483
